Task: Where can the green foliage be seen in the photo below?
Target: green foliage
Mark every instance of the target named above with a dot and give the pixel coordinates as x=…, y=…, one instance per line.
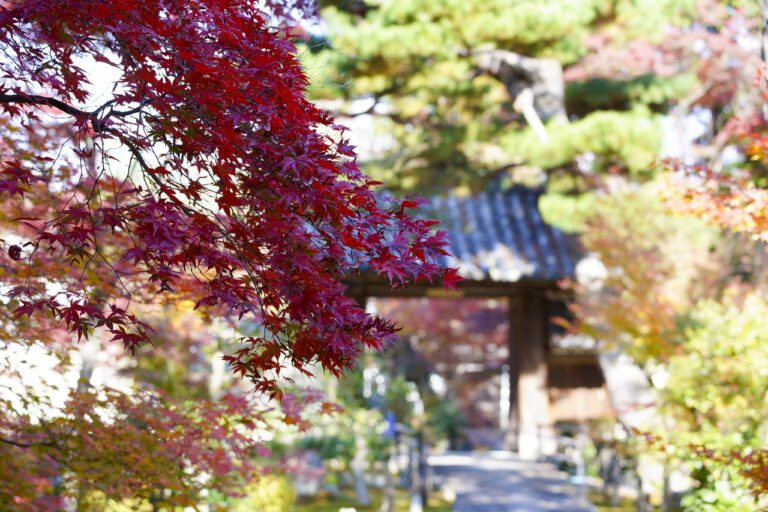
x=452, y=125
x=338, y=444
x=722, y=491
x=333, y=437
x=628, y=140
x=435, y=503
x=646, y=89
x=566, y=212
x=398, y=31
x=445, y=419
x=647, y=19
x=394, y=397
x=97, y=501
x=268, y=493
x=718, y=379
x=715, y=396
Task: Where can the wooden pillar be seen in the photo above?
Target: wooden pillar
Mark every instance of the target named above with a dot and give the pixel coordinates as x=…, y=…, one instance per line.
x=529, y=401
x=515, y=313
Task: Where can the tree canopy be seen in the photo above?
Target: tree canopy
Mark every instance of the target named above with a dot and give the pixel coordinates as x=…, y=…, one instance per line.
x=446, y=83
x=231, y=190
x=163, y=154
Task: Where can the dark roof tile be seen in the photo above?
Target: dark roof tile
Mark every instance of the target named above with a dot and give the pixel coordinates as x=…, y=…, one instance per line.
x=501, y=236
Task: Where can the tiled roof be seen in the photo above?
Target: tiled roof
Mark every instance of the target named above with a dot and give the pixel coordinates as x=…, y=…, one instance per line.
x=501, y=236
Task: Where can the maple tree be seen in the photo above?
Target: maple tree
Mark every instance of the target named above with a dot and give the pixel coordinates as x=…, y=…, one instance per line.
x=656, y=267
x=715, y=388
x=137, y=446
x=233, y=189
x=736, y=199
x=159, y=152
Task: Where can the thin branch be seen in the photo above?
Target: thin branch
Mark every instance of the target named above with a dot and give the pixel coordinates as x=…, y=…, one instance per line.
x=34, y=99
x=98, y=124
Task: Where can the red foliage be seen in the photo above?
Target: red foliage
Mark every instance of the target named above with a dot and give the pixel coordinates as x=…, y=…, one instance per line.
x=202, y=173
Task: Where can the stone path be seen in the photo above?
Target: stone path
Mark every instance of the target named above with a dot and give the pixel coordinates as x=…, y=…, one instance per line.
x=497, y=481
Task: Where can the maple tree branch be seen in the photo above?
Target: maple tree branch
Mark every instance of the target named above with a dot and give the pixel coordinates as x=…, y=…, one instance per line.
x=34, y=99
x=98, y=124
x=123, y=113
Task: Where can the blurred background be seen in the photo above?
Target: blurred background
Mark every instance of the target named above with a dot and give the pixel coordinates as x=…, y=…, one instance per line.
x=600, y=167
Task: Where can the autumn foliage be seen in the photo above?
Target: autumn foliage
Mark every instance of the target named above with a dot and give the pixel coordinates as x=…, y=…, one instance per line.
x=131, y=446
x=163, y=152
x=200, y=171
x=737, y=200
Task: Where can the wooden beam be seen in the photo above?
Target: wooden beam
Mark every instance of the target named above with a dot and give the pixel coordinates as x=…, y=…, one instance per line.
x=374, y=286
